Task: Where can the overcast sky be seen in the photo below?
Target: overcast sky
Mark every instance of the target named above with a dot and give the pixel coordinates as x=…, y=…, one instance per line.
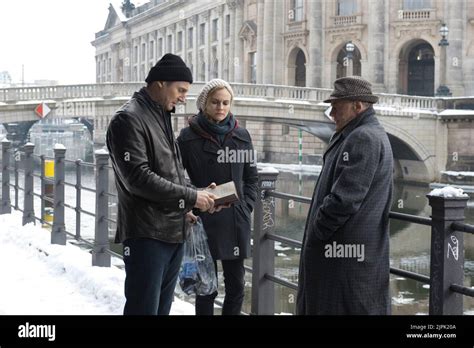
x=51, y=38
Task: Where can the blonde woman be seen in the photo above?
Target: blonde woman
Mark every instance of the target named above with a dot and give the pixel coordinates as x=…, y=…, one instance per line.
x=205, y=145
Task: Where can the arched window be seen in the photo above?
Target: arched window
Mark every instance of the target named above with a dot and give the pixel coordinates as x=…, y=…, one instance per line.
x=300, y=72
x=348, y=66
x=421, y=70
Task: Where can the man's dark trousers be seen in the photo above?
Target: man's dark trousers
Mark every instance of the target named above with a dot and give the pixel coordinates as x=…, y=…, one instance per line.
x=151, y=268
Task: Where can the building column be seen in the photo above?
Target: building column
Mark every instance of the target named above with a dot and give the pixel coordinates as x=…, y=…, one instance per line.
x=268, y=35
x=238, y=57
x=221, y=41
x=233, y=41
x=194, y=23
x=128, y=63
x=456, y=18
x=279, y=23
x=315, y=59
x=376, y=44
x=260, y=42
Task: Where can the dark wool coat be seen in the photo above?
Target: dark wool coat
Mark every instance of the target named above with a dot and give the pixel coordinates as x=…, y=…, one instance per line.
x=350, y=207
x=152, y=194
x=228, y=231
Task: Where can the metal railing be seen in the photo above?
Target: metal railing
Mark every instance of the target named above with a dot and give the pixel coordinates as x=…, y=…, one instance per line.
x=101, y=252
x=447, y=227
x=446, y=262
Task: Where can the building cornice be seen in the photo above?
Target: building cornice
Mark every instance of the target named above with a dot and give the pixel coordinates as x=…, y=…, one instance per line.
x=355, y=30
x=402, y=28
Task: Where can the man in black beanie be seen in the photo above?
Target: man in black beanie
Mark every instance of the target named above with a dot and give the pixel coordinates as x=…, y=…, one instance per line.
x=153, y=198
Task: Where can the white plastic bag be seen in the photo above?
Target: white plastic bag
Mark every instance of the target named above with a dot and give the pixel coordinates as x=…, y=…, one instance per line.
x=197, y=274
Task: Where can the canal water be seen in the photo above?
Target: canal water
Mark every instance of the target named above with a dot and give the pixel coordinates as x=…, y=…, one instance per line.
x=409, y=243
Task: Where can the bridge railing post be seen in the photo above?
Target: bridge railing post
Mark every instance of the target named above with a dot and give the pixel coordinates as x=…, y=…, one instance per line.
x=78, y=198
x=263, y=259
x=16, y=173
x=28, y=208
x=42, y=188
x=101, y=241
x=447, y=255
x=58, y=233
x=6, y=207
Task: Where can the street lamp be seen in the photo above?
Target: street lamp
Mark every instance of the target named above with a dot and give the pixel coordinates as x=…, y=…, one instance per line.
x=350, y=53
x=443, y=90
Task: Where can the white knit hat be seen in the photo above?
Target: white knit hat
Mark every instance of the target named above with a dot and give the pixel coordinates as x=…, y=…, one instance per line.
x=202, y=98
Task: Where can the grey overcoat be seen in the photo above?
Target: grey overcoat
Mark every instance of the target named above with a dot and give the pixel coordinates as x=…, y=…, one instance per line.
x=344, y=264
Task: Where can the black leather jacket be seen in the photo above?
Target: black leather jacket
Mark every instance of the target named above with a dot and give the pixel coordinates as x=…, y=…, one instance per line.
x=152, y=192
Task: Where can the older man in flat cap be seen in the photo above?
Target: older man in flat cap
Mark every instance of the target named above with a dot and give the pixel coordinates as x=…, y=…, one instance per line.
x=344, y=264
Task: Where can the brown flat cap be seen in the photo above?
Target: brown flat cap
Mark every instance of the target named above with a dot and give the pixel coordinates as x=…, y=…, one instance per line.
x=352, y=88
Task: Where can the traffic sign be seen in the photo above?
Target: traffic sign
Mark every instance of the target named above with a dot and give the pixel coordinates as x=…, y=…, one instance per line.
x=42, y=110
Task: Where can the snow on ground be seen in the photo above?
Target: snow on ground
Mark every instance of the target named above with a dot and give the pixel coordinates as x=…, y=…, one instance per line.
x=448, y=191
x=39, y=278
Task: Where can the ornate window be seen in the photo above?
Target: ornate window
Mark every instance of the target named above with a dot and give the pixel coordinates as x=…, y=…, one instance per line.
x=346, y=7
x=416, y=4
x=253, y=67
x=296, y=11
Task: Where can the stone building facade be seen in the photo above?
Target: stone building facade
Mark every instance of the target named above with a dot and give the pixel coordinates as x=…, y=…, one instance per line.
x=297, y=42
x=301, y=43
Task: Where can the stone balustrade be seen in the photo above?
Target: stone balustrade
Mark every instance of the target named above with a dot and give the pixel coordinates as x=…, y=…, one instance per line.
x=270, y=92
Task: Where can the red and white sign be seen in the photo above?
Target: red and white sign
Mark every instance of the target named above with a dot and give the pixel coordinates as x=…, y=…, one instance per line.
x=42, y=110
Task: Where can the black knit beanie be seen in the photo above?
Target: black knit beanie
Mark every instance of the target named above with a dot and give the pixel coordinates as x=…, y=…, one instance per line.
x=170, y=68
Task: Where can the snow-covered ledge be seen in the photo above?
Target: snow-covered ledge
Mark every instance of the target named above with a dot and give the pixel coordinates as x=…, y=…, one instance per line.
x=59, y=147
x=448, y=206
x=448, y=192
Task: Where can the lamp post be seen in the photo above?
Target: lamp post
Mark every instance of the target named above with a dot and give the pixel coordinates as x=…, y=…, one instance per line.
x=349, y=50
x=443, y=90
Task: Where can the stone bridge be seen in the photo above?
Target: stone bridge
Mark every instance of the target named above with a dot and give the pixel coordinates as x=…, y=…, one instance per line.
x=417, y=126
